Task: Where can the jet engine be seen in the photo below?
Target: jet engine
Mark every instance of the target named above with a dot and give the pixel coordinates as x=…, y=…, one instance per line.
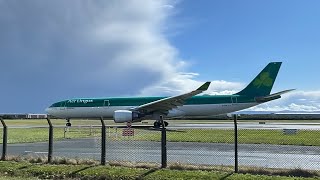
x=121, y=116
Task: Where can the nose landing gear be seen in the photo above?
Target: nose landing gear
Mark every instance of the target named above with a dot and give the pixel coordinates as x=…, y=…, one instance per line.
x=68, y=124
x=157, y=124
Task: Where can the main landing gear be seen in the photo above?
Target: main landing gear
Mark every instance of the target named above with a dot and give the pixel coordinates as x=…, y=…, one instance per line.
x=68, y=124
x=157, y=124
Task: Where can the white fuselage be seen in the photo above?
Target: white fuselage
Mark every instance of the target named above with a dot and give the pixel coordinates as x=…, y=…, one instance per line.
x=182, y=111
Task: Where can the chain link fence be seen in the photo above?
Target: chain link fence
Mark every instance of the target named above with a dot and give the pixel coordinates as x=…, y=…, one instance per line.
x=279, y=148
x=209, y=145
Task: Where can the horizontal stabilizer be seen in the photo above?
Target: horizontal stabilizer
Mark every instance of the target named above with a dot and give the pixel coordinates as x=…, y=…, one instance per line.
x=272, y=96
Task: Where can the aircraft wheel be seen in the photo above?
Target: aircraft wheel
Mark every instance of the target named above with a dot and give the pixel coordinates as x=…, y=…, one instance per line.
x=156, y=124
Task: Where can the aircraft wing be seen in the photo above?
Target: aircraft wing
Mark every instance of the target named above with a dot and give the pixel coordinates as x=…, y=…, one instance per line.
x=163, y=106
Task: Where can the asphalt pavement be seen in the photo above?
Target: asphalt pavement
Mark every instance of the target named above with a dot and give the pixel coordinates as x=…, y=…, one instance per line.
x=258, y=155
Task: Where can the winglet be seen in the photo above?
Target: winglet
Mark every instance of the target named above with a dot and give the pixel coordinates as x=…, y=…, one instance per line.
x=204, y=86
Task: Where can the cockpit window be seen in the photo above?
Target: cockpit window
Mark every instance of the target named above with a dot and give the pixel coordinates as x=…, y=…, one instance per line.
x=63, y=104
x=59, y=104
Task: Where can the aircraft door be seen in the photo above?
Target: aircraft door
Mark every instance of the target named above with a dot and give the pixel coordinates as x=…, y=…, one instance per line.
x=106, y=104
x=234, y=100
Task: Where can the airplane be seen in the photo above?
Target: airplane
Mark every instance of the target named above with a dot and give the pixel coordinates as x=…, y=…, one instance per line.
x=136, y=109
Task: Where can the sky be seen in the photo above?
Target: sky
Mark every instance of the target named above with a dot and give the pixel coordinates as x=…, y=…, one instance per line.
x=56, y=50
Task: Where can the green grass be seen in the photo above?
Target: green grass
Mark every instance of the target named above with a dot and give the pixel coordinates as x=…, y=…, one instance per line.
x=19, y=135
x=55, y=122
x=43, y=122
x=303, y=137
x=252, y=136
x=6, y=177
x=25, y=169
x=255, y=121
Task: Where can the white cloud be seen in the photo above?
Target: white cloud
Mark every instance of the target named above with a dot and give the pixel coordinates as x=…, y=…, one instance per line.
x=51, y=50
x=84, y=48
x=219, y=87
x=178, y=83
x=293, y=101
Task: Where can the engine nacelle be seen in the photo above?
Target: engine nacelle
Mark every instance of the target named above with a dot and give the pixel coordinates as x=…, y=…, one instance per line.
x=121, y=116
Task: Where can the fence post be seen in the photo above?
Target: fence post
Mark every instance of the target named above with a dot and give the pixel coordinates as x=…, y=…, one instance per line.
x=235, y=143
x=50, y=140
x=103, y=142
x=163, y=144
x=4, y=140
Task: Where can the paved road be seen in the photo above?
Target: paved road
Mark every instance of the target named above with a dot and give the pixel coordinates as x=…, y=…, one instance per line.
x=272, y=156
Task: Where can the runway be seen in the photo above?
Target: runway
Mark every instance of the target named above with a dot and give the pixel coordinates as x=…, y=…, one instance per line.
x=258, y=155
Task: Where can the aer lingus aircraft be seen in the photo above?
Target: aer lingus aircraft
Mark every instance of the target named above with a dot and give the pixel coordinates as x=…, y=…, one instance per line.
x=135, y=109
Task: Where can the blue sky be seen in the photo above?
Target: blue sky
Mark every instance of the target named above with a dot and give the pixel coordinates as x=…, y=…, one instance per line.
x=247, y=35
x=53, y=50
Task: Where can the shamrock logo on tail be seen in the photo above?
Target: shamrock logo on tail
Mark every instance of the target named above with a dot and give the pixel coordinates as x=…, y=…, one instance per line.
x=263, y=80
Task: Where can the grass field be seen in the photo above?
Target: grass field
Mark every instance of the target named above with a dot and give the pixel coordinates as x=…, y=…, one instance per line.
x=303, y=137
x=19, y=135
x=252, y=136
x=43, y=122
x=26, y=170
x=55, y=122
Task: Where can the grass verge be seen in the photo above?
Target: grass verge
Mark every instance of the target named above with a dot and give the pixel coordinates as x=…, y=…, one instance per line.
x=302, y=138
x=46, y=171
x=28, y=135
x=252, y=136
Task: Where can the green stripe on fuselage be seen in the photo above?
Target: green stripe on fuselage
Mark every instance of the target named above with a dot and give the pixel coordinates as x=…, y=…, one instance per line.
x=136, y=101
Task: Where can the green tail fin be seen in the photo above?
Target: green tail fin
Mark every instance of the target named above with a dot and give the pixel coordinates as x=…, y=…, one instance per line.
x=262, y=84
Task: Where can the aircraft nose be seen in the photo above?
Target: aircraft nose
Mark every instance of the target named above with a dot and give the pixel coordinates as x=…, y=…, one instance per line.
x=48, y=110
